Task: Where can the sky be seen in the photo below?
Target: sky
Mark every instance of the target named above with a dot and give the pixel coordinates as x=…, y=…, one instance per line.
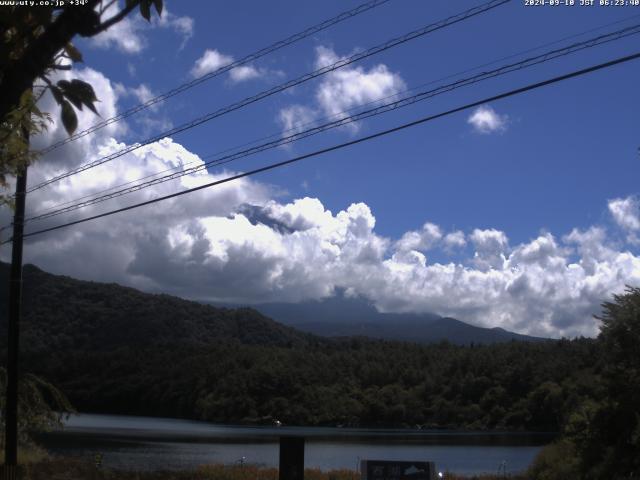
x=521, y=213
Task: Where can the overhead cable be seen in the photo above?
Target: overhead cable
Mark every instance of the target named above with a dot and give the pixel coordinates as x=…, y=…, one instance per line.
x=393, y=105
x=279, y=88
x=340, y=146
x=219, y=71
x=335, y=115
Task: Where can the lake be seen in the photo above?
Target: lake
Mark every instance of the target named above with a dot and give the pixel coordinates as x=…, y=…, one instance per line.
x=144, y=443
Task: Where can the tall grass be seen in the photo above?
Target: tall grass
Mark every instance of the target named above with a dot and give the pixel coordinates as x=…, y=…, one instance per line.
x=75, y=469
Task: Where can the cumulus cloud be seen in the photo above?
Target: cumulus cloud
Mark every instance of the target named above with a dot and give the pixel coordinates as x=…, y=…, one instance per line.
x=424, y=239
x=349, y=87
x=128, y=34
x=491, y=247
x=345, y=89
x=97, y=241
x=454, y=240
x=244, y=72
x=485, y=119
x=626, y=213
x=125, y=36
x=148, y=123
x=240, y=242
x=211, y=60
x=295, y=117
x=142, y=93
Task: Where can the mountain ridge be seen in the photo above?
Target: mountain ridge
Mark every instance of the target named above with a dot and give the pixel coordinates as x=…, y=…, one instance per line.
x=174, y=319
x=340, y=316
x=104, y=316
x=113, y=349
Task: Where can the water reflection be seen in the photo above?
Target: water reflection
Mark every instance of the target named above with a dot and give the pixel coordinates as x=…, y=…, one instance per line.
x=159, y=443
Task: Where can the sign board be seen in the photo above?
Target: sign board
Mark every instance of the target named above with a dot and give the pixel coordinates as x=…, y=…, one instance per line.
x=396, y=470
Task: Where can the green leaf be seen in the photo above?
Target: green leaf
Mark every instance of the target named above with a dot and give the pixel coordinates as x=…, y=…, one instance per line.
x=84, y=90
x=158, y=4
x=73, y=52
x=79, y=93
x=73, y=98
x=92, y=107
x=145, y=9
x=69, y=118
x=57, y=94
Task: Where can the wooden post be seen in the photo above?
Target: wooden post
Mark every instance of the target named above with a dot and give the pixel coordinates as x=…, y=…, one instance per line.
x=291, y=458
x=15, y=299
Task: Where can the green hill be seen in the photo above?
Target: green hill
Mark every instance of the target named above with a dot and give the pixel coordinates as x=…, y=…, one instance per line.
x=61, y=313
x=117, y=350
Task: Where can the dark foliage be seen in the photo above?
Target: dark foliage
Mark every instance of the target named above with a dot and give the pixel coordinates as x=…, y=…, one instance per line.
x=116, y=350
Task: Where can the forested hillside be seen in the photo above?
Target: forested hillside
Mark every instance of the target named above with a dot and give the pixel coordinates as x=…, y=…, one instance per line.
x=62, y=313
x=117, y=350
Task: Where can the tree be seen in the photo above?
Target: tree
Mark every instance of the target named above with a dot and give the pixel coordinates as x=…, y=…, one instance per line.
x=615, y=447
x=41, y=405
x=604, y=431
x=37, y=41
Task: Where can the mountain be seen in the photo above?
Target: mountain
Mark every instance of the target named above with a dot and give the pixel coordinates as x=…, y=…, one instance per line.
x=113, y=349
x=103, y=316
x=342, y=316
x=61, y=312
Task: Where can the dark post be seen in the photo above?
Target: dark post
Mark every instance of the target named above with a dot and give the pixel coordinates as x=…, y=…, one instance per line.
x=15, y=298
x=291, y=458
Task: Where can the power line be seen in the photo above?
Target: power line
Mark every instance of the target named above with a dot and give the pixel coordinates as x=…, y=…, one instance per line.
x=342, y=114
x=197, y=81
x=403, y=102
x=420, y=121
x=279, y=88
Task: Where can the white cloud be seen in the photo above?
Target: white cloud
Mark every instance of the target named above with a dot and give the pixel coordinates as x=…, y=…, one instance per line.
x=423, y=240
x=294, y=118
x=183, y=26
x=124, y=35
x=347, y=88
x=491, y=248
x=484, y=119
x=240, y=242
x=454, y=240
x=148, y=123
x=128, y=34
x=142, y=93
x=626, y=214
x=211, y=60
x=244, y=72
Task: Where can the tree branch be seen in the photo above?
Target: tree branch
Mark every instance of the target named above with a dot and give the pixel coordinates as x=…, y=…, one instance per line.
x=104, y=8
x=115, y=19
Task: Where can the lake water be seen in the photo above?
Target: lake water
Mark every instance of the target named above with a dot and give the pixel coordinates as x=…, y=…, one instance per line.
x=143, y=443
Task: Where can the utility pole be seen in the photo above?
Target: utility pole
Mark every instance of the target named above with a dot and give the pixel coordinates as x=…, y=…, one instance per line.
x=15, y=300
x=291, y=466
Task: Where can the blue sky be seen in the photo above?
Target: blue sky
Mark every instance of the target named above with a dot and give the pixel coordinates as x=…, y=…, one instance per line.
x=543, y=183
x=565, y=151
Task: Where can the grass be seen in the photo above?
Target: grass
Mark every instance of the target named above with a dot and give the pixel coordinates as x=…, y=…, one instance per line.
x=27, y=455
x=59, y=468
